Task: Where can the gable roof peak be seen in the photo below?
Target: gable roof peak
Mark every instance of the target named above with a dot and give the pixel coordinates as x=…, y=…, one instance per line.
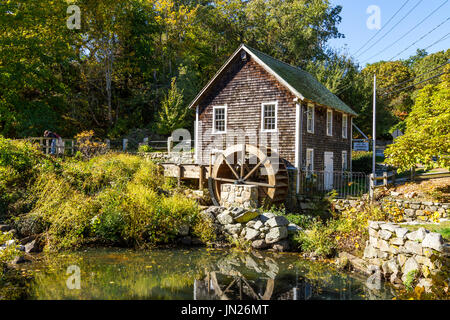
x=301, y=83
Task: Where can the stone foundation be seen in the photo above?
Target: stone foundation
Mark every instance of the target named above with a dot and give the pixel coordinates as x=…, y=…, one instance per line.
x=239, y=195
x=393, y=252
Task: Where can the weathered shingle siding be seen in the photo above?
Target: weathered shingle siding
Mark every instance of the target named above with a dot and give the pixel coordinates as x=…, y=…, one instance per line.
x=243, y=88
x=321, y=142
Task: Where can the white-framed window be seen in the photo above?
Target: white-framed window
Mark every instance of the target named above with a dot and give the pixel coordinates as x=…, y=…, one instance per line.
x=344, y=126
x=269, y=116
x=220, y=119
x=329, y=122
x=309, y=159
x=344, y=161
x=310, y=118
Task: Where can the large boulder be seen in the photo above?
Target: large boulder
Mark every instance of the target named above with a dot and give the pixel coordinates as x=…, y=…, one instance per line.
x=417, y=235
x=401, y=232
x=413, y=247
x=225, y=218
x=374, y=225
x=388, y=226
x=370, y=252
x=281, y=246
x=233, y=228
x=277, y=221
x=433, y=241
x=293, y=228
x=276, y=234
x=259, y=244
x=246, y=216
x=385, y=234
x=410, y=265
x=251, y=234
x=266, y=216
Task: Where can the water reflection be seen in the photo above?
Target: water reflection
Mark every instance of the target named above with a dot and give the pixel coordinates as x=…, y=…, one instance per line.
x=257, y=277
x=196, y=274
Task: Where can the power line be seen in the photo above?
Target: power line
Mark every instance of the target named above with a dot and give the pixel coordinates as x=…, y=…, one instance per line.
x=406, y=81
x=425, y=35
x=415, y=84
x=395, y=14
x=390, y=30
x=407, y=33
x=441, y=39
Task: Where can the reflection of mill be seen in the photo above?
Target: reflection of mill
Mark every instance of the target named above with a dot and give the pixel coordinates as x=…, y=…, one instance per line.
x=245, y=278
x=236, y=287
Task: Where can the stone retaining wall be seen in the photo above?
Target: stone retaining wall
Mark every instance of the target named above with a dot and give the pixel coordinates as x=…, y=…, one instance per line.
x=402, y=210
x=394, y=251
x=169, y=157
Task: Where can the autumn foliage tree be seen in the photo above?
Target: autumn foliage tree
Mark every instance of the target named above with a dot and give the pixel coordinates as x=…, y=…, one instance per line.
x=427, y=133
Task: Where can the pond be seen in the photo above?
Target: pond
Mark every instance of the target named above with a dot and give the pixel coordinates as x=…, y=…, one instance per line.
x=199, y=273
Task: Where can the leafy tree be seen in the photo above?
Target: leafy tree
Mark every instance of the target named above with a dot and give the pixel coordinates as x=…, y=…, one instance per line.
x=390, y=74
x=173, y=113
x=427, y=130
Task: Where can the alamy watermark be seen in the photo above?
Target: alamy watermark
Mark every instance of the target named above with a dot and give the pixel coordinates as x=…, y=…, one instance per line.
x=74, y=20
x=374, y=20
x=73, y=282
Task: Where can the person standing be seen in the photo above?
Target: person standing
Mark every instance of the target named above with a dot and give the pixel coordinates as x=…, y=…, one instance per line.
x=54, y=136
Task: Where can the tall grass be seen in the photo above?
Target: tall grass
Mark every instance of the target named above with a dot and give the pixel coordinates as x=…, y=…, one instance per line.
x=113, y=198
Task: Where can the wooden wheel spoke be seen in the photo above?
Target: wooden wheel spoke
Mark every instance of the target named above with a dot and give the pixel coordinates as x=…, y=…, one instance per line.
x=225, y=180
x=231, y=168
x=260, y=184
x=255, y=168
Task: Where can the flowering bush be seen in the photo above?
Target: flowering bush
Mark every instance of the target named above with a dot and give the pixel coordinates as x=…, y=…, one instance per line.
x=88, y=146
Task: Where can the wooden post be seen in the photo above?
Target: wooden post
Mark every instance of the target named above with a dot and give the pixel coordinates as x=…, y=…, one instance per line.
x=169, y=144
x=413, y=173
x=41, y=144
x=179, y=175
x=385, y=178
x=108, y=144
x=124, y=144
x=393, y=177
x=201, y=178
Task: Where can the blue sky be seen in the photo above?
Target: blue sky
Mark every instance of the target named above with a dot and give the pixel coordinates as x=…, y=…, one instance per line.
x=354, y=27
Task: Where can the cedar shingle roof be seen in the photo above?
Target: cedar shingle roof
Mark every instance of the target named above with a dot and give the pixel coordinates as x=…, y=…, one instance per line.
x=300, y=82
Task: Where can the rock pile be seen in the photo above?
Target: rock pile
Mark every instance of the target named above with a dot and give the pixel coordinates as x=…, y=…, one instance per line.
x=394, y=251
x=264, y=231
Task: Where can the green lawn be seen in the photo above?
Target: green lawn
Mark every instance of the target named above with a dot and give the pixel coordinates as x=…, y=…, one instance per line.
x=443, y=228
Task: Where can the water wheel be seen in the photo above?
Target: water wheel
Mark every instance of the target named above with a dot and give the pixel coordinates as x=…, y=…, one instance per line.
x=250, y=165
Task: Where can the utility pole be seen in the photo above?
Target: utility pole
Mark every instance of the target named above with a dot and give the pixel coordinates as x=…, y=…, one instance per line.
x=374, y=124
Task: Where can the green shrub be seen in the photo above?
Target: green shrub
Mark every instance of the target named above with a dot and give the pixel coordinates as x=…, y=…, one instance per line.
x=20, y=163
x=318, y=240
x=362, y=161
x=145, y=148
x=410, y=280
x=303, y=221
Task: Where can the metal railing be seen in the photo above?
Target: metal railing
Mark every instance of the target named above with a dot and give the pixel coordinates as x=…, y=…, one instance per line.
x=346, y=184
